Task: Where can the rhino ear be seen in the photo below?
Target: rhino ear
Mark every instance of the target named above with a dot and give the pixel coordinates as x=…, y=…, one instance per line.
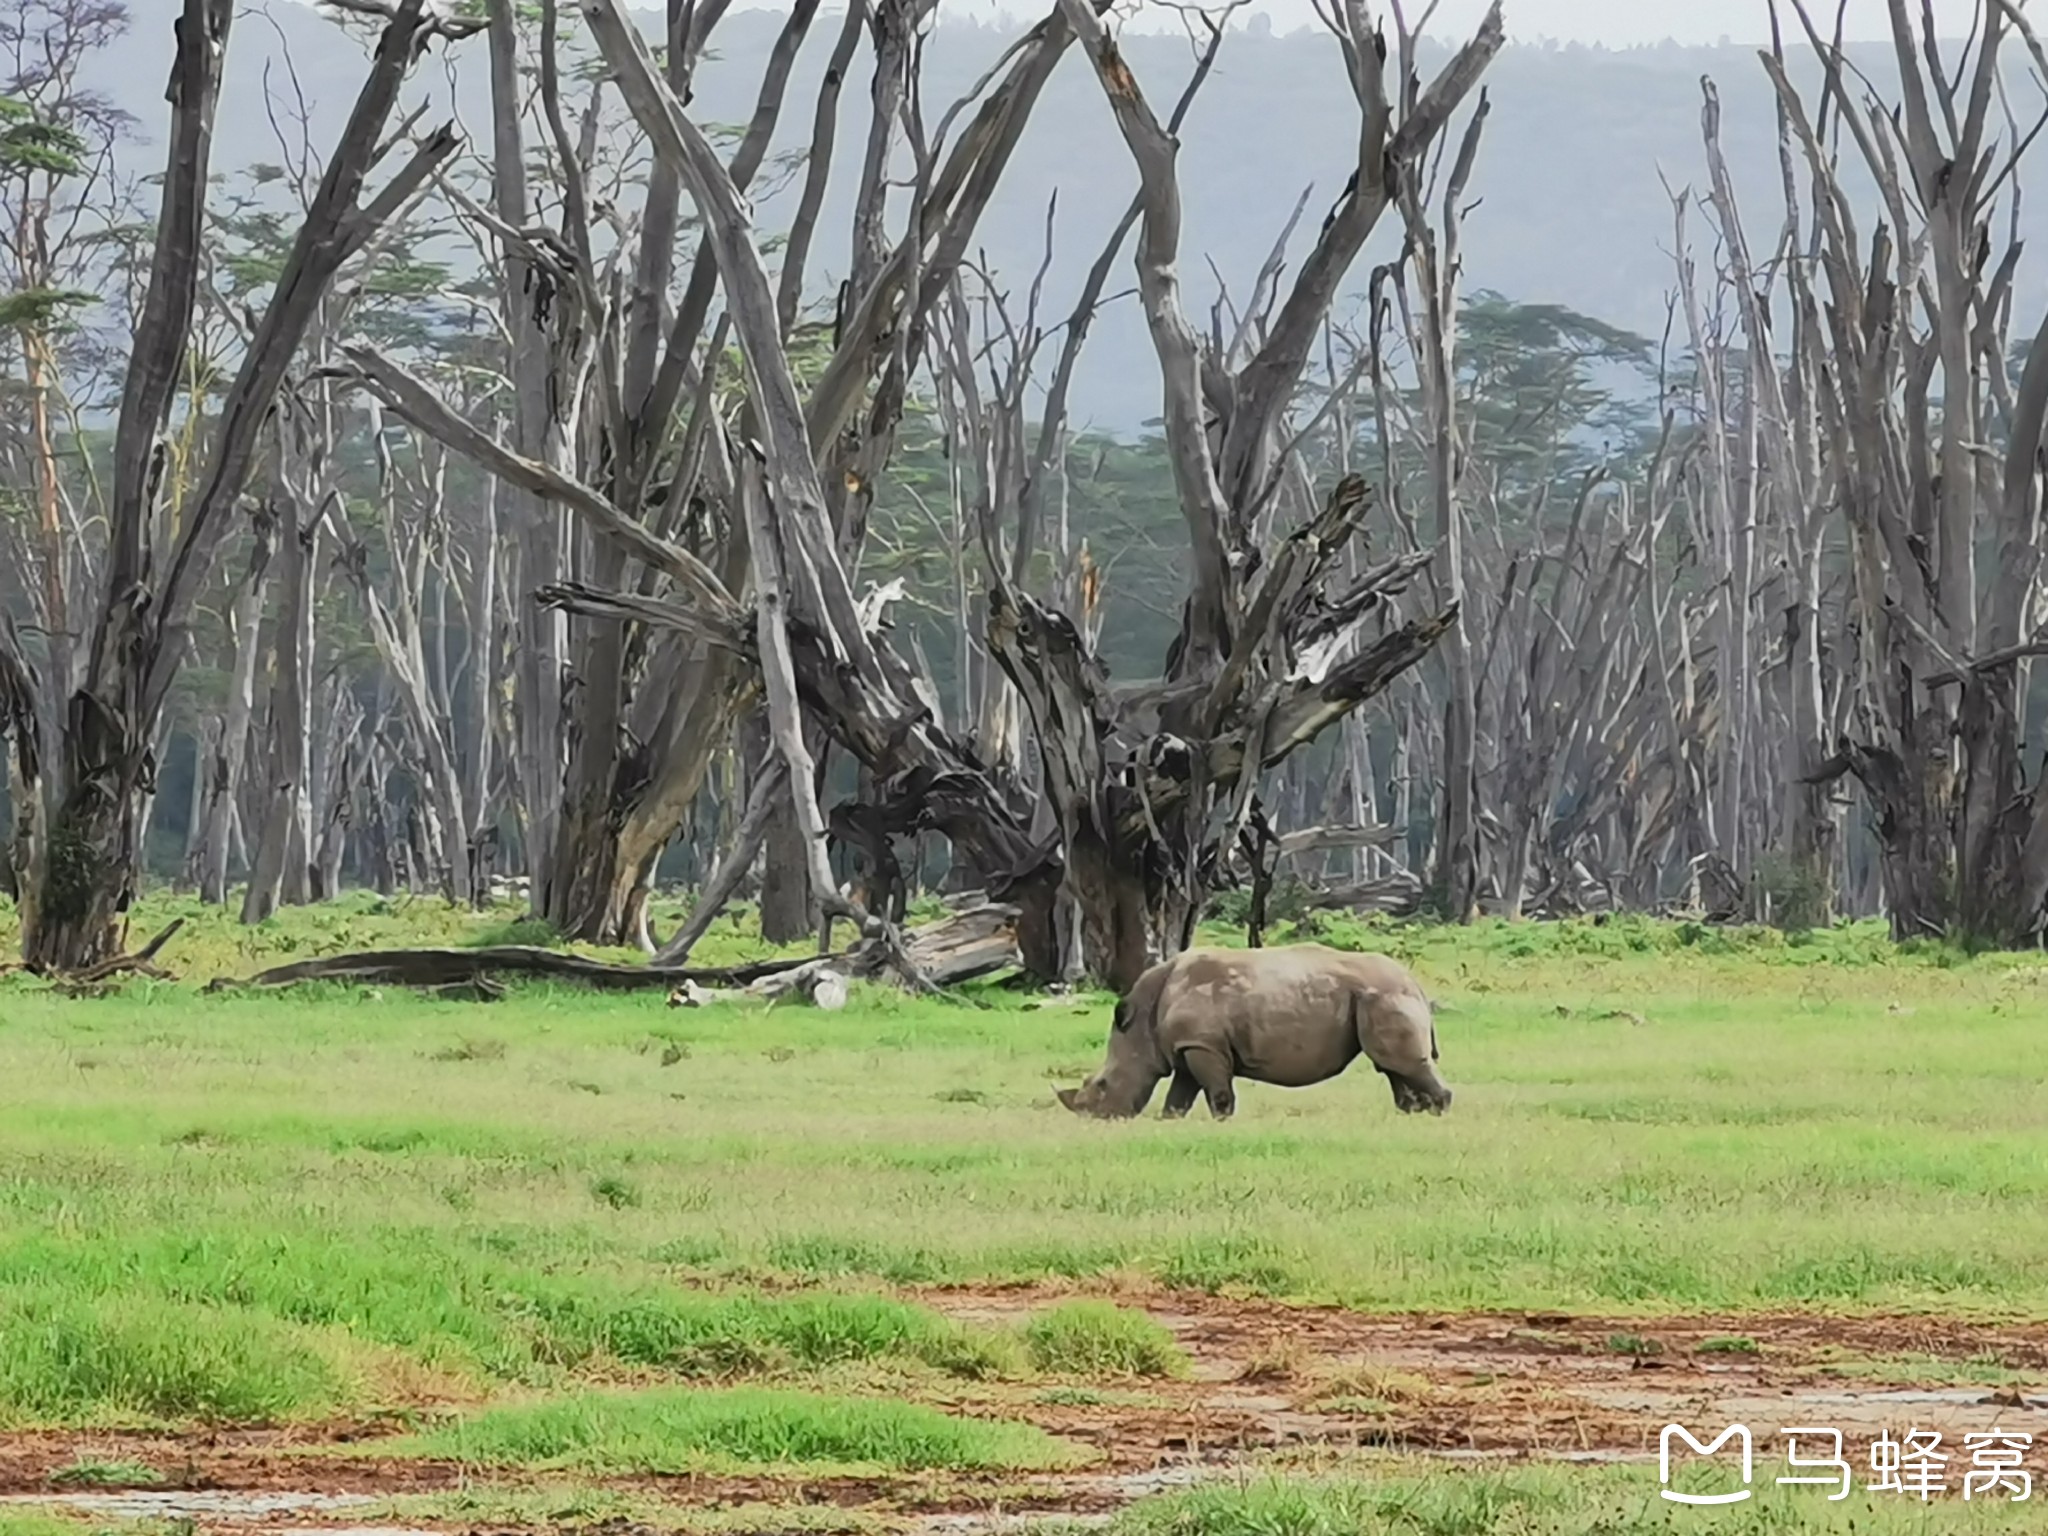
x=1066, y=1096
x=1121, y=1019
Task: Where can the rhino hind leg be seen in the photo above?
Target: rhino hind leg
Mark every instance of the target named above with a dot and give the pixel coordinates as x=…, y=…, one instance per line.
x=1212, y=1073
x=1180, y=1094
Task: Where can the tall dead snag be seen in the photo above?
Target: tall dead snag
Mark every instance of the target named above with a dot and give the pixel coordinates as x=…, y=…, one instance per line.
x=1155, y=793
x=616, y=470
x=1914, y=314
x=540, y=308
x=156, y=567
x=1262, y=671
x=647, y=712
x=1768, y=536
x=1432, y=255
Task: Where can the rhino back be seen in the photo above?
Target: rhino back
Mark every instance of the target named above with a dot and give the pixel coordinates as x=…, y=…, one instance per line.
x=1276, y=1015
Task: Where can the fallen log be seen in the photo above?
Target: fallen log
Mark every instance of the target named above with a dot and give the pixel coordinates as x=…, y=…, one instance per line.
x=93, y=980
x=942, y=954
x=1398, y=895
x=977, y=942
x=1310, y=840
x=436, y=968
x=142, y=962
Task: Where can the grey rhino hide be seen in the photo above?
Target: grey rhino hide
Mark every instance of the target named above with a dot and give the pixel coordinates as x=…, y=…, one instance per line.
x=1292, y=1016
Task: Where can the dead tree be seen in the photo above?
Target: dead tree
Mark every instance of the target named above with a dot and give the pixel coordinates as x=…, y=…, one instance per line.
x=714, y=475
x=1433, y=256
x=226, y=744
x=663, y=510
x=280, y=871
x=413, y=521
x=1265, y=658
x=1263, y=667
x=156, y=567
x=1935, y=736
x=538, y=307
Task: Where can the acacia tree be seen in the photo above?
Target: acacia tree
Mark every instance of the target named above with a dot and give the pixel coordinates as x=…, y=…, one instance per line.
x=160, y=556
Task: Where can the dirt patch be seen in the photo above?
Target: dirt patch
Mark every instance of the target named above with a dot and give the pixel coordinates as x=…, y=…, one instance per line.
x=1274, y=1378
x=1269, y=1382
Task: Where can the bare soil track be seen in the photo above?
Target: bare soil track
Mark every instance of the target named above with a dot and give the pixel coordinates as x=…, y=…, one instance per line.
x=1270, y=1382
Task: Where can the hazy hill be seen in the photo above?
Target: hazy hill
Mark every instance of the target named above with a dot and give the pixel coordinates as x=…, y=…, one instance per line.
x=1572, y=209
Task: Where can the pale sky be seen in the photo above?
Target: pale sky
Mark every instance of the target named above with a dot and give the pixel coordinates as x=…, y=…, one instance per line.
x=1616, y=23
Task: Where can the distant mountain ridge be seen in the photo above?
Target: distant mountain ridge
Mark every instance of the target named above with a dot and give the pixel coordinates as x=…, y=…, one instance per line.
x=1570, y=209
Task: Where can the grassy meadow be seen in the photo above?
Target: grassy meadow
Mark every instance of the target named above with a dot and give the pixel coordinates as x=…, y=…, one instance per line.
x=592, y=1233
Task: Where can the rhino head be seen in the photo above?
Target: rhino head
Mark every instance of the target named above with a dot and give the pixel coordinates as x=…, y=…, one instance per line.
x=1128, y=1076
x=1413, y=1096
x=1100, y=1099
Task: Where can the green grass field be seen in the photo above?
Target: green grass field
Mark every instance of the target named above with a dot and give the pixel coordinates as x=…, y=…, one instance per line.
x=292, y=1206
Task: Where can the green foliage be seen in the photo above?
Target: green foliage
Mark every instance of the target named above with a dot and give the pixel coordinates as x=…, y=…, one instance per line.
x=71, y=873
x=1650, y=1116
x=31, y=145
x=1098, y=1338
x=74, y=1358
x=526, y=931
x=30, y=1521
x=85, y=1473
x=701, y=1335
x=1796, y=894
x=1417, y=1500
x=37, y=309
x=674, y=1431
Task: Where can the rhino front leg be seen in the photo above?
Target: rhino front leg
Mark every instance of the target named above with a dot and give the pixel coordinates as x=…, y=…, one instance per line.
x=1212, y=1073
x=1180, y=1094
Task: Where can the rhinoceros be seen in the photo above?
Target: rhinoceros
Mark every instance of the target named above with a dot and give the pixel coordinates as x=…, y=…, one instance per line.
x=1291, y=1016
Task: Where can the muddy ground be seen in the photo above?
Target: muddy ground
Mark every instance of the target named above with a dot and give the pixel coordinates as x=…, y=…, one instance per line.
x=1270, y=1384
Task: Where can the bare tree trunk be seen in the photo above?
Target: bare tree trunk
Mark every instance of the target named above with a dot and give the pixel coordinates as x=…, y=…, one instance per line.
x=787, y=912
x=222, y=767
x=480, y=822
x=1437, y=268
x=21, y=724
x=537, y=410
x=282, y=874
x=766, y=793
